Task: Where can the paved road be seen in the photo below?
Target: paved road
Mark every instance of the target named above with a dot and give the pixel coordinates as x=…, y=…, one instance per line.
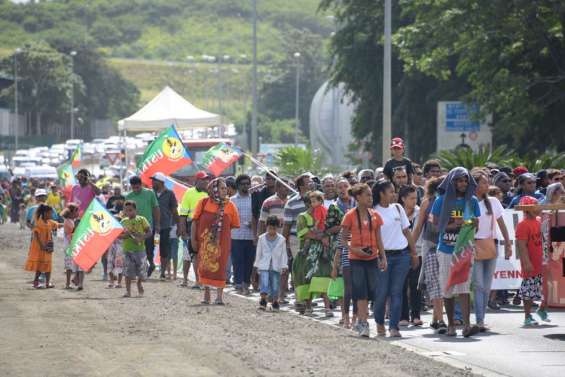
x=508, y=350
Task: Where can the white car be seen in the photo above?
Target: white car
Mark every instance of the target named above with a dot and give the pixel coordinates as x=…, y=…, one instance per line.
x=42, y=172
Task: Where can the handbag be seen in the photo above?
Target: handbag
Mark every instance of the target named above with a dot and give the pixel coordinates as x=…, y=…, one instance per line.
x=486, y=247
x=50, y=246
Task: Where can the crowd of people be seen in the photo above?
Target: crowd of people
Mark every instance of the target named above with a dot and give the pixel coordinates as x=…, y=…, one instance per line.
x=377, y=241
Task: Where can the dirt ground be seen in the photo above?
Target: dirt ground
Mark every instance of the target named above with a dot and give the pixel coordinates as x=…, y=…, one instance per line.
x=55, y=332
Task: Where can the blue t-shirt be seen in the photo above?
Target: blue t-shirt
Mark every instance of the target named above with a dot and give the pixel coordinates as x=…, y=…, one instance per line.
x=516, y=200
x=447, y=240
x=30, y=214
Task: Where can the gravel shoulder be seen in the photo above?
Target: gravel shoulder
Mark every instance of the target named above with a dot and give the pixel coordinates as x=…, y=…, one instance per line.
x=168, y=333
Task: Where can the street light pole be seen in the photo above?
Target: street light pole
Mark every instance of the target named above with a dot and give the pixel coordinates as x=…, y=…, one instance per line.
x=72, y=54
x=254, y=83
x=17, y=120
x=297, y=103
x=387, y=106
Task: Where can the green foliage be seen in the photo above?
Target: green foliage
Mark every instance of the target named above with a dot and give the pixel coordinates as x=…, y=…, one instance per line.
x=293, y=161
x=168, y=29
x=536, y=162
x=469, y=159
x=278, y=131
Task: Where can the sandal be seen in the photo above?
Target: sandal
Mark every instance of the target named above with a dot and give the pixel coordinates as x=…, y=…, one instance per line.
x=67, y=287
x=126, y=295
x=417, y=322
x=451, y=331
x=394, y=333
x=218, y=302
x=118, y=286
x=183, y=284
x=50, y=285
x=470, y=331
x=204, y=302
x=110, y=286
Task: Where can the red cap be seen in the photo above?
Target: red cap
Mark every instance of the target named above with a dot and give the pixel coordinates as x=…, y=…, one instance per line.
x=520, y=170
x=528, y=201
x=201, y=174
x=397, y=143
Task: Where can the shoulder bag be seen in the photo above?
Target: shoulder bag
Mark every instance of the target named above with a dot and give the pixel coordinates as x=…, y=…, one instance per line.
x=486, y=247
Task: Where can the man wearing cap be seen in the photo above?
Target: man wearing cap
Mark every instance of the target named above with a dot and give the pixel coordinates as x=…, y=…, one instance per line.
x=148, y=207
x=168, y=218
x=187, y=206
x=398, y=161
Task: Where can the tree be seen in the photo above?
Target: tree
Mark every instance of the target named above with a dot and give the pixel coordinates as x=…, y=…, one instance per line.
x=277, y=94
x=358, y=54
x=510, y=52
x=45, y=83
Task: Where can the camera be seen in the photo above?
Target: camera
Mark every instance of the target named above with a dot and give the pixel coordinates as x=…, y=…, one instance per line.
x=367, y=250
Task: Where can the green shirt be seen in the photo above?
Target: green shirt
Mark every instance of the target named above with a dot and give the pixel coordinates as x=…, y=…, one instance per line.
x=189, y=200
x=145, y=201
x=139, y=224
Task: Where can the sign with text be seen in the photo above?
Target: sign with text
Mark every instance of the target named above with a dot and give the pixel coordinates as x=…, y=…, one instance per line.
x=455, y=119
x=508, y=273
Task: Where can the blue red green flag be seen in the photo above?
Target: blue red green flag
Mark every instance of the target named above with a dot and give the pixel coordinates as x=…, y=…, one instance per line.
x=166, y=154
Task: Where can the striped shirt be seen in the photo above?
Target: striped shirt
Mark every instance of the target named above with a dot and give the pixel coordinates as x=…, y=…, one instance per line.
x=273, y=206
x=243, y=205
x=293, y=207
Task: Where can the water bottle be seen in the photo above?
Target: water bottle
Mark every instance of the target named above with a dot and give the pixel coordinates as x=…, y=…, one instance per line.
x=156, y=239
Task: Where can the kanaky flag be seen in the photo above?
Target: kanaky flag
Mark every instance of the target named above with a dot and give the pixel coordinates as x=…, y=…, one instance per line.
x=176, y=187
x=166, y=154
x=220, y=157
x=76, y=157
x=462, y=257
x=93, y=236
x=66, y=175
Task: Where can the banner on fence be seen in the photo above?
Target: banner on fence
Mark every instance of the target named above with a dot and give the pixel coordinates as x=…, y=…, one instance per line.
x=508, y=274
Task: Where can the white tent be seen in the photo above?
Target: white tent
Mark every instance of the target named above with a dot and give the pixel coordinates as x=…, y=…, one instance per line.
x=165, y=109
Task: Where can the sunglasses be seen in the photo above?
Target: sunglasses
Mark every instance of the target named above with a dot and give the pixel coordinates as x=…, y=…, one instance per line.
x=419, y=173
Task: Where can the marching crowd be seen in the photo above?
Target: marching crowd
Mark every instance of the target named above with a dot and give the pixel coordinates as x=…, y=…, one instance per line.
x=377, y=241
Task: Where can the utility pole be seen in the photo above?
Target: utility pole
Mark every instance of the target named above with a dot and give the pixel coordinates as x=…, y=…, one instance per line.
x=73, y=54
x=297, y=99
x=387, y=106
x=254, y=83
x=17, y=120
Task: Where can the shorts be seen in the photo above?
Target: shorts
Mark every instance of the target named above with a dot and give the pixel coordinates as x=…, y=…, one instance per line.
x=174, y=250
x=531, y=288
x=364, y=279
x=136, y=265
x=68, y=263
x=444, y=262
x=431, y=275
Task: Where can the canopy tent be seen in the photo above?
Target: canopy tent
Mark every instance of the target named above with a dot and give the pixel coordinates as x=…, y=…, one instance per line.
x=166, y=109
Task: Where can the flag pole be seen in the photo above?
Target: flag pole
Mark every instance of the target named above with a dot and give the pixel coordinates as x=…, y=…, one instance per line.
x=268, y=171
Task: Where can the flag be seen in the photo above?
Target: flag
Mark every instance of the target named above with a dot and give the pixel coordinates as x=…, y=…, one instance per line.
x=76, y=157
x=220, y=157
x=166, y=154
x=176, y=187
x=66, y=175
x=94, y=234
x=462, y=257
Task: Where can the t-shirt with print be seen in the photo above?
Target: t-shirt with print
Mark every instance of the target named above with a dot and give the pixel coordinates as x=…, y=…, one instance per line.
x=139, y=225
x=447, y=239
x=529, y=230
x=363, y=236
x=487, y=229
x=394, y=222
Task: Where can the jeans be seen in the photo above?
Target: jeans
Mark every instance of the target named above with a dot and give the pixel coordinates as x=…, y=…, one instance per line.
x=483, y=271
x=390, y=283
x=269, y=283
x=411, y=295
x=243, y=256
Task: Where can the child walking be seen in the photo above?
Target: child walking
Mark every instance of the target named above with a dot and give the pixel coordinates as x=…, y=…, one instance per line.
x=528, y=236
x=69, y=215
x=137, y=229
x=22, y=214
x=40, y=254
x=271, y=260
